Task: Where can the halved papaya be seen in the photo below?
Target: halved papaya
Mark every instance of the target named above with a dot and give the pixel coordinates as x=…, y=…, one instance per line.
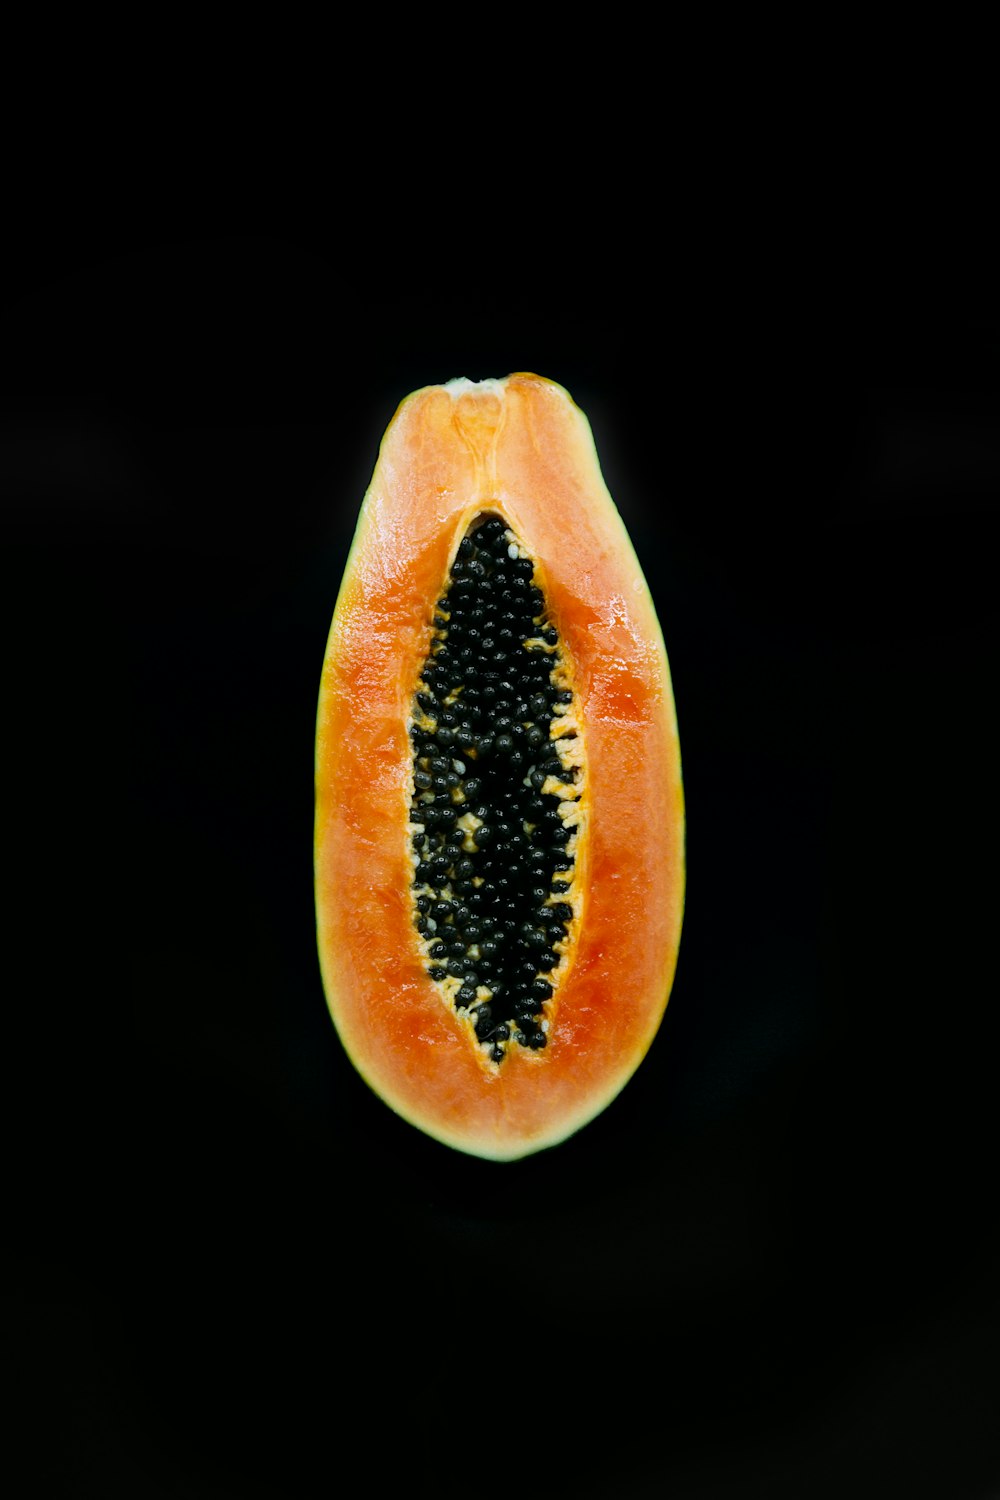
x=499, y=836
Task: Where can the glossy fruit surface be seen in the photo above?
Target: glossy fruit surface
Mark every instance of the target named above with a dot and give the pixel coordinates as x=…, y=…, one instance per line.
x=517, y=448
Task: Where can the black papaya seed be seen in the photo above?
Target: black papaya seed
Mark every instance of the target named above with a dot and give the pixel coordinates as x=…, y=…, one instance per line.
x=491, y=705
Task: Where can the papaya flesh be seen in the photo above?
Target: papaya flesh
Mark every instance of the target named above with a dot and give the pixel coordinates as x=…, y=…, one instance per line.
x=499, y=832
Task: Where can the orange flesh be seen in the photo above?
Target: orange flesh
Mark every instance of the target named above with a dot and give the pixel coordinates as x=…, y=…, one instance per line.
x=519, y=448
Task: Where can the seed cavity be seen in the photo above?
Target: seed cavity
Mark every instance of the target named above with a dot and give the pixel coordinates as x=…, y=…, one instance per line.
x=497, y=781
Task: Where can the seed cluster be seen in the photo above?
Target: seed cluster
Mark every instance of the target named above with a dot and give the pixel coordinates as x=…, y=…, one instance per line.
x=496, y=786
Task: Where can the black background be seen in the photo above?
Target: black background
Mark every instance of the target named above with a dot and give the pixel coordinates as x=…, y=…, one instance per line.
x=769, y=1268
